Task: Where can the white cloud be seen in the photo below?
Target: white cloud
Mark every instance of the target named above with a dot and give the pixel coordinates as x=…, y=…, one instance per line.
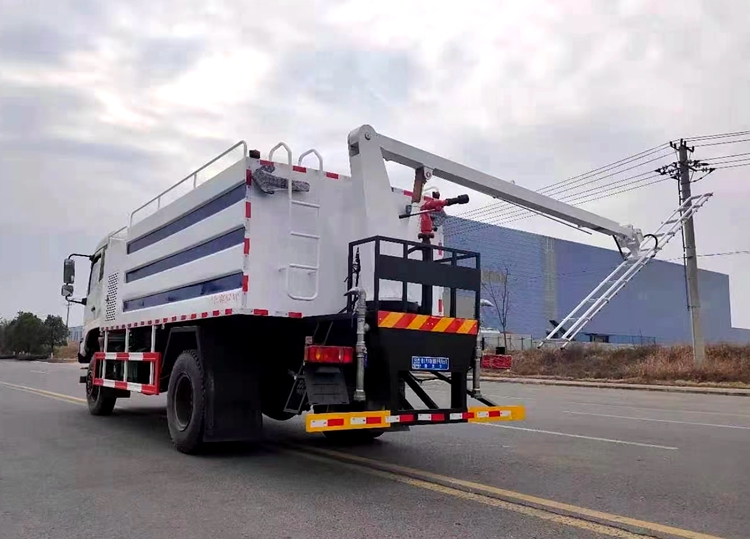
x=103, y=105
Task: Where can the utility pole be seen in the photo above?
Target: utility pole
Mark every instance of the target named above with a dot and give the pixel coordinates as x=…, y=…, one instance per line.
x=691, y=261
x=681, y=172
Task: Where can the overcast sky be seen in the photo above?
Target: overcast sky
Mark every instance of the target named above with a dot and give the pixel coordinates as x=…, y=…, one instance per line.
x=104, y=104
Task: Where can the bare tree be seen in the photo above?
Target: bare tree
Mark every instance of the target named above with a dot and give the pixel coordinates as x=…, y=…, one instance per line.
x=496, y=285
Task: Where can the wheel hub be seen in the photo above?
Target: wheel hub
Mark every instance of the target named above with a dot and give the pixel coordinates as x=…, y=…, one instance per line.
x=183, y=402
x=92, y=391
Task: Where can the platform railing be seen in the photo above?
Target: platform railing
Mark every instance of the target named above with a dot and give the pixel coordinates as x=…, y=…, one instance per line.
x=193, y=175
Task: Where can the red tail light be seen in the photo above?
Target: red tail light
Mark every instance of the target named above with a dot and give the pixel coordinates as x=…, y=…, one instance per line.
x=329, y=354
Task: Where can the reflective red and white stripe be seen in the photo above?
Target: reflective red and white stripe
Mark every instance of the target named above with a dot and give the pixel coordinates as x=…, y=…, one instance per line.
x=429, y=417
x=151, y=388
x=490, y=414
x=171, y=319
x=200, y=316
x=127, y=356
x=146, y=389
x=386, y=419
x=352, y=422
x=323, y=423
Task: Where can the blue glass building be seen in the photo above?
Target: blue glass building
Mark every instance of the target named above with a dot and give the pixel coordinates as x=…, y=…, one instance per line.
x=548, y=277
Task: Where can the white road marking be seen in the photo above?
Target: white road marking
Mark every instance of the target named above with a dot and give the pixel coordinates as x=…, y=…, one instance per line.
x=660, y=420
x=508, y=397
x=40, y=372
x=594, y=438
x=668, y=410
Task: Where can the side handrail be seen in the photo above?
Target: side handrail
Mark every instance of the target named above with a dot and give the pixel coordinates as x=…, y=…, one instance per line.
x=288, y=153
x=308, y=152
x=193, y=175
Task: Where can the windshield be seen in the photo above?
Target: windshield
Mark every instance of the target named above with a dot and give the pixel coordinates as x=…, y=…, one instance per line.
x=97, y=270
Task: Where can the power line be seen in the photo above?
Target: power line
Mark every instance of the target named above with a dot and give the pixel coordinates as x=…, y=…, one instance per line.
x=555, y=189
x=722, y=142
x=732, y=166
x=719, y=135
x=495, y=214
x=513, y=210
x=708, y=255
x=575, y=199
x=713, y=163
x=604, y=191
x=580, y=180
x=728, y=156
x=728, y=253
x=623, y=170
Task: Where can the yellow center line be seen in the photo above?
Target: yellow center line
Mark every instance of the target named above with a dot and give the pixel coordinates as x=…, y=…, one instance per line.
x=471, y=496
x=510, y=496
x=542, y=508
x=45, y=393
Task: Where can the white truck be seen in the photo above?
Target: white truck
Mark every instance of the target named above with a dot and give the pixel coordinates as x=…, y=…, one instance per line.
x=276, y=289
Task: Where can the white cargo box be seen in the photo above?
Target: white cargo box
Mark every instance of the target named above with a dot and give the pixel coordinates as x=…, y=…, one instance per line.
x=240, y=244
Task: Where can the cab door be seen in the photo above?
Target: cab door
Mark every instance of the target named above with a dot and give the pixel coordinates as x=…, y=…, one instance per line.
x=93, y=309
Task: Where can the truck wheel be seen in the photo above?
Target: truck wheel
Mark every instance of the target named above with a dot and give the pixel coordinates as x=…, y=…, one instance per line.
x=186, y=398
x=101, y=400
x=353, y=437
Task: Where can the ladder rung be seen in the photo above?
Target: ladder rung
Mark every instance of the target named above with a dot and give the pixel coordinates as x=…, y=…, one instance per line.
x=304, y=235
x=304, y=267
x=306, y=204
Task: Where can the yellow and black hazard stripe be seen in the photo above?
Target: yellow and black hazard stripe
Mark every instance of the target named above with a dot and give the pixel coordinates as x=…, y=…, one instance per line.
x=423, y=322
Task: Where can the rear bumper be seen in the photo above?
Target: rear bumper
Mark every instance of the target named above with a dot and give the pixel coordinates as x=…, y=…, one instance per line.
x=383, y=419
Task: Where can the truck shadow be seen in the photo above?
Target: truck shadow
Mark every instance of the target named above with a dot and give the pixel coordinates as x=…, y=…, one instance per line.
x=149, y=425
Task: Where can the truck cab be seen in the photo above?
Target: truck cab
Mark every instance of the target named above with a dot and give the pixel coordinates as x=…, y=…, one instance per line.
x=96, y=300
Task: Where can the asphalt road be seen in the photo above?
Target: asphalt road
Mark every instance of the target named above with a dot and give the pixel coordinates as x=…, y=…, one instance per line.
x=619, y=460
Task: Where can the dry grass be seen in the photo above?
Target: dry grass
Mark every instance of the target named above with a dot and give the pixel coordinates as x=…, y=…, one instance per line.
x=69, y=351
x=725, y=363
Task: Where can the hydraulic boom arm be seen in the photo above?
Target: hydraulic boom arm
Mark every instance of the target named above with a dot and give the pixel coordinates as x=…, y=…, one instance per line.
x=366, y=140
x=368, y=149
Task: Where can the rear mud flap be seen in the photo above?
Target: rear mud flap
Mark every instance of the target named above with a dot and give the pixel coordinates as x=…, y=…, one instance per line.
x=233, y=405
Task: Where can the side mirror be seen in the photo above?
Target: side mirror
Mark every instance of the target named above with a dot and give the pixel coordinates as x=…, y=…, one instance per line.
x=69, y=272
x=67, y=290
x=485, y=303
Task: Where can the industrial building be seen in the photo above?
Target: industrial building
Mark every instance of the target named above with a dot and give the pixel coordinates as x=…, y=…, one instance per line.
x=548, y=277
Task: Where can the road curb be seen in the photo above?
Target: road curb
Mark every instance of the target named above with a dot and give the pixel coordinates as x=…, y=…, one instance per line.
x=728, y=391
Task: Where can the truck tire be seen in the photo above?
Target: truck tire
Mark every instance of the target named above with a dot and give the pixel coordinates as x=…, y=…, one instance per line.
x=353, y=437
x=101, y=400
x=186, y=402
